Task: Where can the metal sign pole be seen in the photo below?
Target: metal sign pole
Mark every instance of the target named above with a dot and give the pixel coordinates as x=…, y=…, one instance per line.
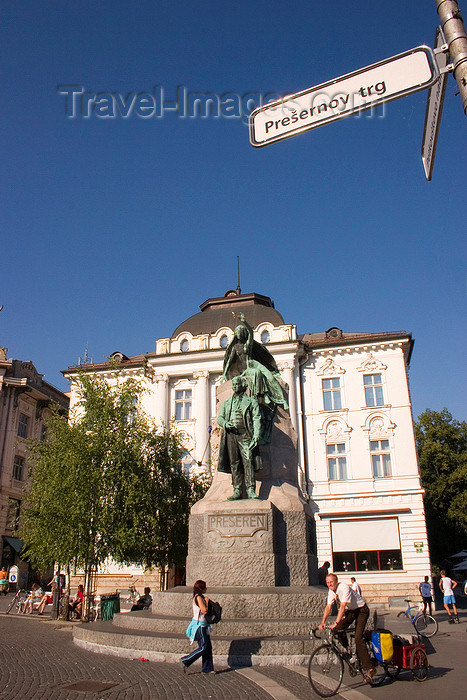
x=452, y=25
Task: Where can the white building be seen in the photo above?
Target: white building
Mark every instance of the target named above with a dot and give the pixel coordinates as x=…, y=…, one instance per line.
x=350, y=405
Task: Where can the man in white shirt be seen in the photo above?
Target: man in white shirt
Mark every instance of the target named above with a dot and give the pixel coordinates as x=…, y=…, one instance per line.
x=355, y=586
x=350, y=606
x=447, y=585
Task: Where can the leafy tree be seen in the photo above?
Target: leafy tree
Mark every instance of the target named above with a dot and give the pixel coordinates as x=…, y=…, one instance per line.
x=107, y=483
x=442, y=453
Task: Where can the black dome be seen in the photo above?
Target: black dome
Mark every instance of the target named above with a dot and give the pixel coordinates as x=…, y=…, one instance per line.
x=218, y=313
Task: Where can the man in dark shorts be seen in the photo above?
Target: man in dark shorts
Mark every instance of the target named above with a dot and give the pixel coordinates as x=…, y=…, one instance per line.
x=426, y=593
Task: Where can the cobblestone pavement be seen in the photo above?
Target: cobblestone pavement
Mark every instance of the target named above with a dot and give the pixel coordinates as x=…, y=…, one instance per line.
x=38, y=661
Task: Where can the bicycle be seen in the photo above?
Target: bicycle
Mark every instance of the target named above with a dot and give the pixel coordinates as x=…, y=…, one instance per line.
x=326, y=664
x=18, y=600
x=425, y=625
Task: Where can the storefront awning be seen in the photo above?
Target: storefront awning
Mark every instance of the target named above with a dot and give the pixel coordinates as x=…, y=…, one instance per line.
x=15, y=543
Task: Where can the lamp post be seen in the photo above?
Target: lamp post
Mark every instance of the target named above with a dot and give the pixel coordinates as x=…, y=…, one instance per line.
x=453, y=28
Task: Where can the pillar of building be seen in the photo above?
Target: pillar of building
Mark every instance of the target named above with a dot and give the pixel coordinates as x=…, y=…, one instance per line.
x=287, y=374
x=201, y=415
x=161, y=413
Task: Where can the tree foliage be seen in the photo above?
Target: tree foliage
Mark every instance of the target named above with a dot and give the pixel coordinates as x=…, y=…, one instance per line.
x=442, y=452
x=107, y=483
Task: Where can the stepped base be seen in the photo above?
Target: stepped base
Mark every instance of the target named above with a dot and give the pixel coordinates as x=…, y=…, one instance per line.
x=261, y=627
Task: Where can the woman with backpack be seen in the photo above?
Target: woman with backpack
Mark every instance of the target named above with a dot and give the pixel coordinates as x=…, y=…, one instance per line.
x=199, y=630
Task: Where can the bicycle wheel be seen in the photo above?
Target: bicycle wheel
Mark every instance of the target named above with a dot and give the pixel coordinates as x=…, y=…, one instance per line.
x=380, y=669
x=392, y=670
x=419, y=664
x=325, y=670
x=426, y=625
x=12, y=602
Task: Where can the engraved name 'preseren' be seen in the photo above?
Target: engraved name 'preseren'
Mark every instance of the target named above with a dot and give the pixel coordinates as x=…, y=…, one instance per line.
x=240, y=525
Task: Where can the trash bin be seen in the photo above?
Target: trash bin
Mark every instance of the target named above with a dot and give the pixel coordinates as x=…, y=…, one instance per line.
x=110, y=604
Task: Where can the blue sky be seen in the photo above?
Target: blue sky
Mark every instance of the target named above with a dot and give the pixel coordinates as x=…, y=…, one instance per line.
x=114, y=230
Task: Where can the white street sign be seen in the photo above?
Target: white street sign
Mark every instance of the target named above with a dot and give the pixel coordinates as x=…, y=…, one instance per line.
x=387, y=80
x=434, y=109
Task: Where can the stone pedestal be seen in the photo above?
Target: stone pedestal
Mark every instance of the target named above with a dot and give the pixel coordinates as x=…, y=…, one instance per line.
x=255, y=543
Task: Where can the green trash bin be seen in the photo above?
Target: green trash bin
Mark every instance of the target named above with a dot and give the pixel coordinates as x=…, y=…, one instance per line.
x=110, y=604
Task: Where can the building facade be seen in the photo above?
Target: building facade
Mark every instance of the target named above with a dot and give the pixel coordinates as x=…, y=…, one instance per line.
x=25, y=399
x=350, y=406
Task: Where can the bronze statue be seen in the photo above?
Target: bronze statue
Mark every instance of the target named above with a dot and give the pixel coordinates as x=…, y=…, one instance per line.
x=240, y=419
x=247, y=420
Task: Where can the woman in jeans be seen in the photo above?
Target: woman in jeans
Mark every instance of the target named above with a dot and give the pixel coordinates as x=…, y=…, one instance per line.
x=199, y=630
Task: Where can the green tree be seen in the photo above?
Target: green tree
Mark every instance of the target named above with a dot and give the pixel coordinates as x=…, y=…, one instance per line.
x=107, y=483
x=442, y=452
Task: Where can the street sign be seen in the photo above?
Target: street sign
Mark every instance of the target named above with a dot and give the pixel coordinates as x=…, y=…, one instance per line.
x=363, y=89
x=434, y=108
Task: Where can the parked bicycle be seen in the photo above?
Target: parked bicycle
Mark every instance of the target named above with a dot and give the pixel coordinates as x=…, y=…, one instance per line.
x=327, y=662
x=426, y=625
x=18, y=601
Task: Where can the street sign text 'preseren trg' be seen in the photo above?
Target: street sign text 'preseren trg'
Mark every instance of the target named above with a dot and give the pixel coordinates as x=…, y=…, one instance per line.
x=387, y=80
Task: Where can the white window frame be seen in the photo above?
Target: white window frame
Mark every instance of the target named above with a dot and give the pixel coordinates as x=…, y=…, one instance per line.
x=183, y=401
x=332, y=391
x=380, y=452
x=340, y=459
x=373, y=388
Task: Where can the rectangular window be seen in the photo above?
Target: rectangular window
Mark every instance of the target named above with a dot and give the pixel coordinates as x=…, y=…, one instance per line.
x=366, y=545
x=14, y=507
x=18, y=468
x=373, y=384
x=337, y=462
x=23, y=425
x=380, y=458
x=183, y=404
x=332, y=394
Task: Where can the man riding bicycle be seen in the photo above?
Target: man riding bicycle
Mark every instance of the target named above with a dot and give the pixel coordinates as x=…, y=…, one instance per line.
x=350, y=606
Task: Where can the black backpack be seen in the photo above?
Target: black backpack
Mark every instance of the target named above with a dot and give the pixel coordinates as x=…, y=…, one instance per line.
x=214, y=613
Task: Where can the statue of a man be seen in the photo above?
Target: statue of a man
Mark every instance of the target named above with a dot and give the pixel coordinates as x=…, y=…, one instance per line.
x=240, y=419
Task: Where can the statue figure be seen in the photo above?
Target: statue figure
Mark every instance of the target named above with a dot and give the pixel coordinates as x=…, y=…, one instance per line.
x=244, y=356
x=240, y=420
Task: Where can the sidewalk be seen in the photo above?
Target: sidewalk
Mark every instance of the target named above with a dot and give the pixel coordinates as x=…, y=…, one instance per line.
x=38, y=661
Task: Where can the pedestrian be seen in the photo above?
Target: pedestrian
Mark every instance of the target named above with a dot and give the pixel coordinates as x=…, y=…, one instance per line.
x=144, y=602
x=199, y=630
x=426, y=593
x=447, y=585
x=350, y=606
x=355, y=586
x=323, y=572
x=3, y=581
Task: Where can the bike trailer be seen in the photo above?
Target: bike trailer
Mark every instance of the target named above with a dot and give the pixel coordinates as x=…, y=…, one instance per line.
x=403, y=651
x=381, y=642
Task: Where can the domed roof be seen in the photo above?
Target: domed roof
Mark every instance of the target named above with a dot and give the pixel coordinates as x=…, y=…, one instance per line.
x=218, y=313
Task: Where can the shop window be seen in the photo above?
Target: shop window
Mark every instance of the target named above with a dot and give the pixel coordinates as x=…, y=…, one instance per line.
x=366, y=545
